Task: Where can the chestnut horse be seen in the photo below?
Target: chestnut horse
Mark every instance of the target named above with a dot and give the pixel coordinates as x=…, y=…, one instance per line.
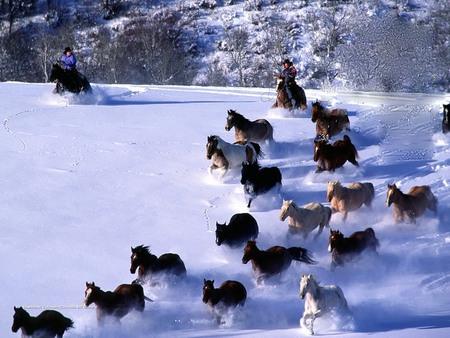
x=247, y=131
x=329, y=122
x=283, y=101
x=407, y=207
x=274, y=260
x=347, y=249
x=351, y=198
x=329, y=157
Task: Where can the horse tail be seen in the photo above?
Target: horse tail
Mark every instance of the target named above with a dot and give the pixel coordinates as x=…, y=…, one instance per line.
x=258, y=150
x=432, y=200
x=148, y=299
x=351, y=145
x=376, y=242
x=301, y=255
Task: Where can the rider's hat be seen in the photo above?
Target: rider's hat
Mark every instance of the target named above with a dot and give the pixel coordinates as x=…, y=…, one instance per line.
x=287, y=61
x=68, y=49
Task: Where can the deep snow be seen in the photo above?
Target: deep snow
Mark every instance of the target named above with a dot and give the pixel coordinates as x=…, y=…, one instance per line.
x=83, y=180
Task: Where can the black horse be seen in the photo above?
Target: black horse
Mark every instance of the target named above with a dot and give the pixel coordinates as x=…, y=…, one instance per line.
x=242, y=228
x=69, y=80
x=257, y=180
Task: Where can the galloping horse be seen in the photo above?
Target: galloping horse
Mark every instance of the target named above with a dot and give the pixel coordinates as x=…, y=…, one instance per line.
x=242, y=228
x=149, y=265
x=248, y=131
x=116, y=304
x=258, y=181
x=229, y=295
x=407, y=207
x=347, y=249
x=320, y=300
x=225, y=155
x=274, y=260
x=48, y=324
x=329, y=157
x=445, y=119
x=329, y=122
x=283, y=101
x=67, y=82
x=305, y=220
x=351, y=198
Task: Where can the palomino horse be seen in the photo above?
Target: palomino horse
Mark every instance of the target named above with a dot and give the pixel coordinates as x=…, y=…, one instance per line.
x=320, y=300
x=305, y=220
x=247, y=131
x=445, y=119
x=345, y=249
x=117, y=303
x=48, y=324
x=274, y=260
x=258, y=181
x=329, y=157
x=71, y=81
x=150, y=266
x=283, y=101
x=242, y=228
x=329, y=122
x=225, y=155
x=229, y=295
x=350, y=198
x=407, y=207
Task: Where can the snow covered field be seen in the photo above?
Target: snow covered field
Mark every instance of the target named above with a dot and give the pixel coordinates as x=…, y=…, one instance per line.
x=84, y=179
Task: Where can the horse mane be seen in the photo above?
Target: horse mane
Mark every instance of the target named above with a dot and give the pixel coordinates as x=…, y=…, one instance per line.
x=313, y=279
x=241, y=120
x=145, y=250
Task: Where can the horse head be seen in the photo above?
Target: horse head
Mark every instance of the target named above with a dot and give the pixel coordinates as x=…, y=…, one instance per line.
x=208, y=289
x=249, y=249
x=220, y=228
x=305, y=284
x=285, y=212
x=90, y=295
x=211, y=146
x=335, y=236
x=316, y=110
x=137, y=254
x=230, y=120
x=391, y=194
x=19, y=319
x=248, y=171
x=331, y=190
x=56, y=71
x=318, y=146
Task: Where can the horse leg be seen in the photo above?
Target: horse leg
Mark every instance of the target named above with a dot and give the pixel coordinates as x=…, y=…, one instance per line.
x=344, y=215
x=303, y=322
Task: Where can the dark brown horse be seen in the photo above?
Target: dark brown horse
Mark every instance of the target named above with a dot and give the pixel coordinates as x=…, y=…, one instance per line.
x=248, y=131
x=283, y=101
x=274, y=260
x=117, y=303
x=47, y=324
x=445, y=119
x=345, y=249
x=329, y=157
x=407, y=207
x=69, y=80
x=150, y=266
x=229, y=295
x=329, y=122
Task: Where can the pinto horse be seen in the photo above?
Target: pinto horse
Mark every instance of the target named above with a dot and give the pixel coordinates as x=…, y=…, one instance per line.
x=320, y=301
x=347, y=249
x=273, y=261
x=117, y=303
x=71, y=81
x=351, y=198
x=258, y=181
x=229, y=295
x=445, y=119
x=305, y=220
x=48, y=324
x=407, y=207
x=247, y=131
x=283, y=101
x=225, y=155
x=329, y=122
x=149, y=265
x=329, y=157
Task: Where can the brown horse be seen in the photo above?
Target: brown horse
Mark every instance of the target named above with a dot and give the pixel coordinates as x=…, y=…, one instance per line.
x=329, y=122
x=247, y=131
x=407, y=207
x=229, y=295
x=47, y=324
x=305, y=220
x=351, y=198
x=117, y=303
x=445, y=119
x=345, y=249
x=150, y=266
x=225, y=155
x=283, y=101
x=274, y=260
x=329, y=157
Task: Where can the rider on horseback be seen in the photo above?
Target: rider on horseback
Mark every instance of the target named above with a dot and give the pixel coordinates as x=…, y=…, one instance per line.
x=70, y=64
x=289, y=73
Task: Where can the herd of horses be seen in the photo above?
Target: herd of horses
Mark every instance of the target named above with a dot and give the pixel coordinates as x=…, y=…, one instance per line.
x=242, y=231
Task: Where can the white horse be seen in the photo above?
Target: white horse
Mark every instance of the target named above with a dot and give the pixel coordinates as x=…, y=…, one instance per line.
x=304, y=220
x=320, y=300
x=229, y=155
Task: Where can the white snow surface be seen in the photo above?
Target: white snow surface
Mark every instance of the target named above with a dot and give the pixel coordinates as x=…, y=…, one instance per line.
x=86, y=178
